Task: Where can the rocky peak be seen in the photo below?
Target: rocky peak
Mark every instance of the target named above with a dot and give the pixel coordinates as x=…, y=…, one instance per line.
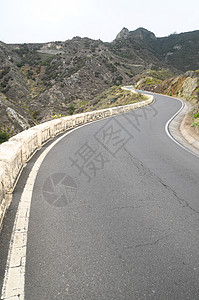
x=123, y=34
x=143, y=34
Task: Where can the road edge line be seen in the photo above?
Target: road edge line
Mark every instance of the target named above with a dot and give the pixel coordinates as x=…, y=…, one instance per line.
x=169, y=133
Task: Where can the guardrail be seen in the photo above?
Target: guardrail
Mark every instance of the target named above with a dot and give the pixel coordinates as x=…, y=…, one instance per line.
x=15, y=153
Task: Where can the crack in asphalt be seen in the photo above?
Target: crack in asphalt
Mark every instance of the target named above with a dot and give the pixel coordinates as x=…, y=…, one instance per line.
x=181, y=201
x=147, y=244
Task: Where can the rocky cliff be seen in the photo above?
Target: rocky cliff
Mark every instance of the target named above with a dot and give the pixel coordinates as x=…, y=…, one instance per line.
x=185, y=86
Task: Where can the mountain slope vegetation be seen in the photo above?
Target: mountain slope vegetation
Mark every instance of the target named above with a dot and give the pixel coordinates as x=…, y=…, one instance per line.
x=39, y=81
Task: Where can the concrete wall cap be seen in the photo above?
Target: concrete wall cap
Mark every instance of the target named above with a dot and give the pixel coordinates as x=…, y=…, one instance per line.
x=8, y=150
x=24, y=135
x=41, y=126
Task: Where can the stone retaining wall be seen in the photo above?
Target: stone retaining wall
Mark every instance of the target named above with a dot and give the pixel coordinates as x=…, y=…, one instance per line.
x=15, y=153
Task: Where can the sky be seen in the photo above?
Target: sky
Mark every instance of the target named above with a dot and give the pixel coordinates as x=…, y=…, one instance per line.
x=39, y=21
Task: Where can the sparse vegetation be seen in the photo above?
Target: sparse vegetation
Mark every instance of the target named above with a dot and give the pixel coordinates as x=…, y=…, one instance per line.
x=196, y=115
x=69, y=77
x=71, y=109
x=196, y=123
x=4, y=137
x=56, y=116
x=113, y=97
x=35, y=114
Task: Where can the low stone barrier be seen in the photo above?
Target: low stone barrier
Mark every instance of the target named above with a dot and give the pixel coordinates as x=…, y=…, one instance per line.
x=29, y=141
x=3, y=205
x=12, y=158
x=67, y=123
x=15, y=153
x=58, y=126
x=44, y=132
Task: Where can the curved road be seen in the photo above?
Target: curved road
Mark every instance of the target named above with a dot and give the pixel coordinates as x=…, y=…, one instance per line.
x=115, y=213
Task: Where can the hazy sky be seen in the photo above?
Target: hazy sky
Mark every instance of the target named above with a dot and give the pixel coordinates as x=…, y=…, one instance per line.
x=24, y=21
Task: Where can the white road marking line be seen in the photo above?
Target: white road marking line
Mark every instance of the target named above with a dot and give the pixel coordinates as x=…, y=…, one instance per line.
x=169, y=134
x=14, y=278
x=170, y=120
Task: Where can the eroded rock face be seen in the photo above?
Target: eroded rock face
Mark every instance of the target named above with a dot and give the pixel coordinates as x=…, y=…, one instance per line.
x=189, y=87
x=143, y=34
x=123, y=34
x=13, y=119
x=185, y=86
x=16, y=117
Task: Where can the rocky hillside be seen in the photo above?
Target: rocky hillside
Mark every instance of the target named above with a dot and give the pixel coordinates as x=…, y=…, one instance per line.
x=39, y=81
x=185, y=86
x=13, y=117
x=179, y=51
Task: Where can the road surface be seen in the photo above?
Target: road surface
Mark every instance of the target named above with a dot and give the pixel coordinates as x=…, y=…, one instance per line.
x=114, y=213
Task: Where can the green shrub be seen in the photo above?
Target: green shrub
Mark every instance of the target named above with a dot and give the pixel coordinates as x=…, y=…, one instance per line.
x=195, y=123
x=3, y=137
x=97, y=74
x=20, y=64
x=113, y=99
x=196, y=115
x=71, y=109
x=56, y=116
x=35, y=114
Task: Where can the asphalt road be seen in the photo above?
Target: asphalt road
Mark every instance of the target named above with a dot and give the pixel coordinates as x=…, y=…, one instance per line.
x=115, y=213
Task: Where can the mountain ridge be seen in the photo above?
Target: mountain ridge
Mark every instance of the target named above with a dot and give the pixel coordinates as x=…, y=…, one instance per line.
x=47, y=79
